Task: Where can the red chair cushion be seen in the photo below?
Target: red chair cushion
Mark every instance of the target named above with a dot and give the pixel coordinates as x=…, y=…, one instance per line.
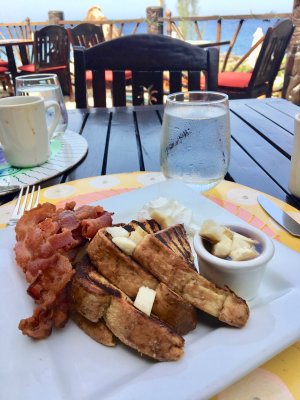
x=236, y=80
x=3, y=69
x=31, y=68
x=4, y=63
x=27, y=68
x=239, y=80
x=108, y=75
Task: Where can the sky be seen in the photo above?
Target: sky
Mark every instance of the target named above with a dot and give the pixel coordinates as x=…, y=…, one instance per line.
x=37, y=10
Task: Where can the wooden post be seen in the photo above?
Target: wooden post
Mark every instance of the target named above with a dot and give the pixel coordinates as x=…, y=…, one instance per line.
x=219, y=31
x=291, y=83
x=198, y=32
x=169, y=23
x=55, y=16
x=153, y=25
x=28, y=28
x=233, y=40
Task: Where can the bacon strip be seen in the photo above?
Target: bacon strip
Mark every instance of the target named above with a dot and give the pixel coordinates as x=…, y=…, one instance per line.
x=47, y=241
x=91, y=226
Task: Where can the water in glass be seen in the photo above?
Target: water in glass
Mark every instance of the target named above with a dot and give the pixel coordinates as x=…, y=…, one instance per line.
x=195, y=143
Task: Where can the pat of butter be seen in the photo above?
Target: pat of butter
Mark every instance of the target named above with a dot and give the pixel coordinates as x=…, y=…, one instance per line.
x=125, y=244
x=137, y=235
x=117, y=231
x=126, y=241
x=144, y=299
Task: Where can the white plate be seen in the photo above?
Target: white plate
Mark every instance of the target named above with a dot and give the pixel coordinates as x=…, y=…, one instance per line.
x=69, y=365
x=66, y=151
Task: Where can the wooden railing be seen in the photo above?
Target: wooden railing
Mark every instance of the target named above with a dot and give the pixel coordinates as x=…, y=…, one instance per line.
x=173, y=22
x=168, y=25
x=24, y=29
x=112, y=25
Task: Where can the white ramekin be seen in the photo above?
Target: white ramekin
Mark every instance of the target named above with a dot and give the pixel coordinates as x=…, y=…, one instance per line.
x=243, y=277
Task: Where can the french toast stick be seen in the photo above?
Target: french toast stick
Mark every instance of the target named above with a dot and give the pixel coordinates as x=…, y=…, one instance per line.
x=176, y=240
x=149, y=225
x=175, y=272
x=122, y=271
x=117, y=267
x=96, y=330
x=174, y=310
x=147, y=335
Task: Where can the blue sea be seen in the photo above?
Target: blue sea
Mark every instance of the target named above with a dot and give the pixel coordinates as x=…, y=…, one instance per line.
x=208, y=30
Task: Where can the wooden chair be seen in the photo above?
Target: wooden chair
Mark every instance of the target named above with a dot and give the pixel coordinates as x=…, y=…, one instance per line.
x=51, y=55
x=89, y=35
x=148, y=57
x=86, y=35
x=240, y=85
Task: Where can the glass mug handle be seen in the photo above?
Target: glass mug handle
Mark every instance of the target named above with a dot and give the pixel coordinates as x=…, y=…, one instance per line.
x=55, y=118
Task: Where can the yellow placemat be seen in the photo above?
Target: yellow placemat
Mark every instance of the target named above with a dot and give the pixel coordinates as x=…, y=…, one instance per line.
x=237, y=199
x=279, y=378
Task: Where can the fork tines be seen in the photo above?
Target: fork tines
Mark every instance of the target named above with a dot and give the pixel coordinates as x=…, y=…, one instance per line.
x=30, y=200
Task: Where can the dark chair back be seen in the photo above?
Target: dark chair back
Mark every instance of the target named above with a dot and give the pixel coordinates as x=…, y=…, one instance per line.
x=148, y=57
x=270, y=58
x=51, y=47
x=86, y=35
x=52, y=54
x=241, y=85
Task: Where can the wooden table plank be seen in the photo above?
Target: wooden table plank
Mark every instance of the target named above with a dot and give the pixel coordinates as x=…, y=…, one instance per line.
x=94, y=131
x=278, y=136
x=274, y=115
x=265, y=155
x=284, y=106
x=76, y=120
x=149, y=125
x=245, y=171
x=122, y=150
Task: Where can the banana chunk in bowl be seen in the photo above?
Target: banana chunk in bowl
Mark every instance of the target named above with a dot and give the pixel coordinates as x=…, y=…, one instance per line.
x=235, y=256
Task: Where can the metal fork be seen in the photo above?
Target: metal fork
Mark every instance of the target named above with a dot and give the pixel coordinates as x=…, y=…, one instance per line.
x=24, y=205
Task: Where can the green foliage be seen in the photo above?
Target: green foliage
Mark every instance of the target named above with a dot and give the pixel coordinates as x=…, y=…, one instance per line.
x=244, y=68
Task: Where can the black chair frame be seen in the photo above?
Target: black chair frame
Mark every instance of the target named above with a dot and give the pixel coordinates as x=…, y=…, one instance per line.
x=148, y=57
x=267, y=64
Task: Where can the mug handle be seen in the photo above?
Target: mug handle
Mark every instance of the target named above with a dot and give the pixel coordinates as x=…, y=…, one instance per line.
x=56, y=116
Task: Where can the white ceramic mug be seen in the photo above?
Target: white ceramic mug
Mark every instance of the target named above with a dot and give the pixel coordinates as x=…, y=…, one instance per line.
x=48, y=87
x=24, y=134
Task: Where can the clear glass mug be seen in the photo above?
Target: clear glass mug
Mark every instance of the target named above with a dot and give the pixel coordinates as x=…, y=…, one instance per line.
x=195, y=141
x=48, y=87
